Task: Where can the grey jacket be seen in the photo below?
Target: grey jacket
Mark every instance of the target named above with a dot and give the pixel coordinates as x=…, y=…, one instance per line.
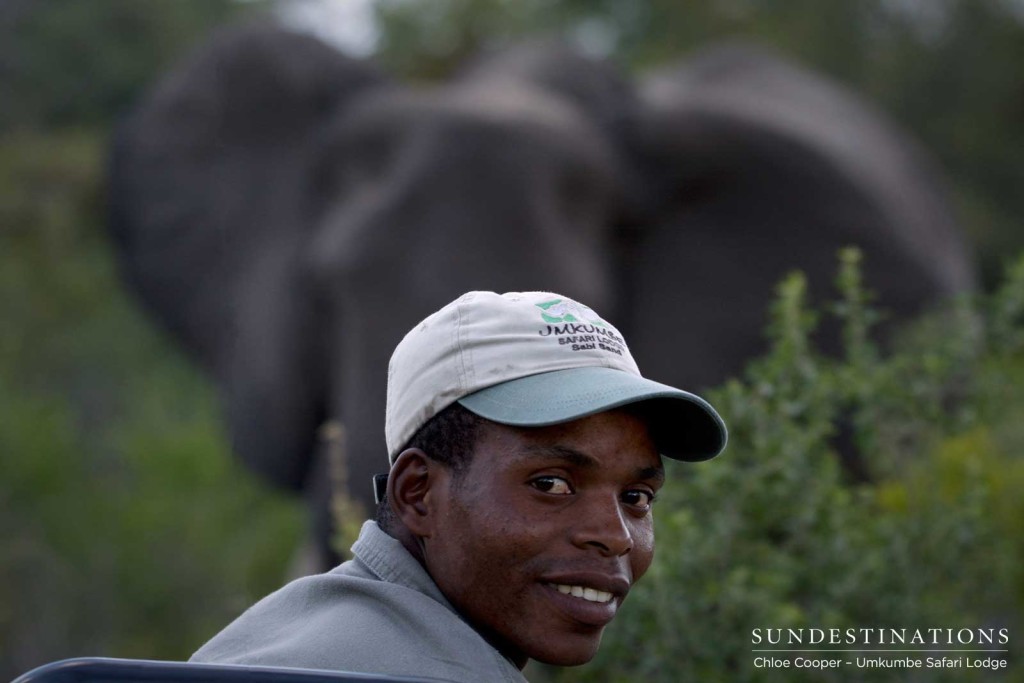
x=377, y=613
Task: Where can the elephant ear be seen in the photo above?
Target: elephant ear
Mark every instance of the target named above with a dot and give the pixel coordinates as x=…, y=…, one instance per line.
x=759, y=167
x=208, y=211
x=206, y=171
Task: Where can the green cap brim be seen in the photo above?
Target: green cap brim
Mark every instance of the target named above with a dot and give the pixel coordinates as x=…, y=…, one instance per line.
x=683, y=425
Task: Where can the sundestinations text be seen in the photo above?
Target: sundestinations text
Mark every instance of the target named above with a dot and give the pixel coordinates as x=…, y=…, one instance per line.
x=880, y=636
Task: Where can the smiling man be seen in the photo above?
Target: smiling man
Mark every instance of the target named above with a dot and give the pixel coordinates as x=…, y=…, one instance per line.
x=525, y=452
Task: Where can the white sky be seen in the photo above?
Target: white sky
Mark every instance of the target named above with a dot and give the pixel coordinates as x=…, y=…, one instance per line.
x=348, y=24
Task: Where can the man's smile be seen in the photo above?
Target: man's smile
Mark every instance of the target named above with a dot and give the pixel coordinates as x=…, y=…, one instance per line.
x=587, y=593
x=590, y=598
x=591, y=585
x=580, y=610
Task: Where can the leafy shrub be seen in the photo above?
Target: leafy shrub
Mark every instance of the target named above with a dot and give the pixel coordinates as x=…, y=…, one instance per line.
x=126, y=528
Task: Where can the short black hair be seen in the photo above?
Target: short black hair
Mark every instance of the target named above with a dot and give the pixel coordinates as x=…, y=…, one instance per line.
x=447, y=438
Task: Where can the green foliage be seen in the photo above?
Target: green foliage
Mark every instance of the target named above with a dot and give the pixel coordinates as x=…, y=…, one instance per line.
x=80, y=62
x=126, y=528
x=774, y=535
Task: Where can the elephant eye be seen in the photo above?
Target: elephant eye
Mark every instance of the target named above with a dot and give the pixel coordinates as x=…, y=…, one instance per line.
x=360, y=155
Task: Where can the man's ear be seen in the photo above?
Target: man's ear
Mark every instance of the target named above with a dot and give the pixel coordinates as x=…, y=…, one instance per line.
x=409, y=487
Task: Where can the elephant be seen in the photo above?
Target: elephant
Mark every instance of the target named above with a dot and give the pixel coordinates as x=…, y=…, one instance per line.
x=288, y=213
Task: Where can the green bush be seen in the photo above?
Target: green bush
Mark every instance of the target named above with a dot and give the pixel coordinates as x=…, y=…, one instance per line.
x=775, y=534
x=126, y=528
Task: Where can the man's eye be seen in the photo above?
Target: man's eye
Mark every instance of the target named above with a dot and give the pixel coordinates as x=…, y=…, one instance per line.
x=638, y=498
x=555, y=485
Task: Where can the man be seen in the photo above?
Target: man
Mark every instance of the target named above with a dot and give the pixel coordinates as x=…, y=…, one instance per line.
x=525, y=454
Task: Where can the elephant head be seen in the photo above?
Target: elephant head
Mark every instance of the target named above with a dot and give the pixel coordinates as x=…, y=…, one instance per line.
x=420, y=196
x=290, y=214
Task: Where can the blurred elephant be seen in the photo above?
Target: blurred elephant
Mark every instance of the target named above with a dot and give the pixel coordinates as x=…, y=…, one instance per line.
x=289, y=213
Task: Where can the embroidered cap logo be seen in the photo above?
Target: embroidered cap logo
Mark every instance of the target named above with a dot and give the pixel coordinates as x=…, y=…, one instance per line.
x=568, y=311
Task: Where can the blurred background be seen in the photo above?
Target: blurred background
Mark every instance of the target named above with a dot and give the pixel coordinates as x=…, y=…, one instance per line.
x=127, y=529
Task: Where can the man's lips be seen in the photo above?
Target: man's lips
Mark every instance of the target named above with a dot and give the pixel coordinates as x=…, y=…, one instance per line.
x=592, y=598
x=616, y=584
x=587, y=593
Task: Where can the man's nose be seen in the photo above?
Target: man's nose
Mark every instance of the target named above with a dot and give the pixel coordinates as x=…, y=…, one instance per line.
x=603, y=526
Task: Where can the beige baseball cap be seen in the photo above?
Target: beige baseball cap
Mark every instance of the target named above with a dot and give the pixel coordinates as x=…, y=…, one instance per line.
x=532, y=359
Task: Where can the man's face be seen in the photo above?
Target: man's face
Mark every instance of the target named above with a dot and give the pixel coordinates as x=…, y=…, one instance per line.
x=538, y=541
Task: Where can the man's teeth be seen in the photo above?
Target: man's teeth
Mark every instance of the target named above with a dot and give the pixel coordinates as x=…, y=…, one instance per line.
x=591, y=594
